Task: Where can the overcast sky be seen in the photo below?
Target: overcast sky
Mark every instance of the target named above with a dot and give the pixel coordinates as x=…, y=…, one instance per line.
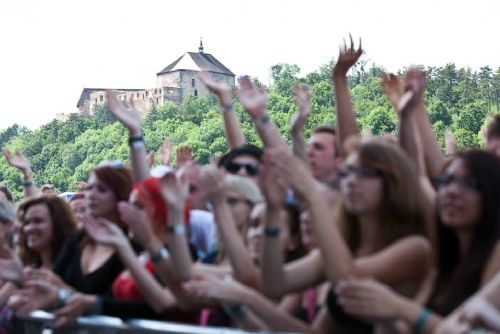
x=52, y=49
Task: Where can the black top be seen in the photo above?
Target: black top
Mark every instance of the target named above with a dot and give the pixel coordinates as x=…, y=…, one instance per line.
x=348, y=323
x=68, y=267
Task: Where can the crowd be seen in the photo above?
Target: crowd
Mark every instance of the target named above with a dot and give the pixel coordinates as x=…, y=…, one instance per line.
x=345, y=233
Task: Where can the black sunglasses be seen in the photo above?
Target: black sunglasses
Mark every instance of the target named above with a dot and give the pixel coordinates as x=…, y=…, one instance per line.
x=465, y=183
x=362, y=172
x=251, y=169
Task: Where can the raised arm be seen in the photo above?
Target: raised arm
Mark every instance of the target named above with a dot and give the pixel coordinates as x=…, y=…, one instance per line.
x=410, y=141
x=234, y=135
x=165, y=152
x=174, y=192
x=279, y=279
x=346, y=118
x=130, y=117
x=402, y=260
x=413, y=101
x=303, y=99
x=109, y=234
x=19, y=161
x=244, y=270
x=254, y=101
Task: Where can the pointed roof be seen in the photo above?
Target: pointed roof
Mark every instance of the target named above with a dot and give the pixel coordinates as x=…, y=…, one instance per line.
x=197, y=61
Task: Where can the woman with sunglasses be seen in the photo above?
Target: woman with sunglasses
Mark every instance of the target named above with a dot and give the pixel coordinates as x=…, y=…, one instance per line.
x=468, y=247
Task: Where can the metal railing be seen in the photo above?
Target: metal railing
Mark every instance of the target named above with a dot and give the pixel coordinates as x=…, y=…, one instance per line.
x=39, y=322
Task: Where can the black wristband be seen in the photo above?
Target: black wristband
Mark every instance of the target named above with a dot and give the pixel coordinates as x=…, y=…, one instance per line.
x=28, y=183
x=136, y=142
x=227, y=108
x=132, y=140
x=272, y=232
x=262, y=120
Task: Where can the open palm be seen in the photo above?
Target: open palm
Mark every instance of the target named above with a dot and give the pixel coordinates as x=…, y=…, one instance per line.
x=130, y=117
x=17, y=160
x=103, y=232
x=253, y=99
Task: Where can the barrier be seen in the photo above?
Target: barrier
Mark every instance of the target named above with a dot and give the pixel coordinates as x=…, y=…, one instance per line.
x=39, y=323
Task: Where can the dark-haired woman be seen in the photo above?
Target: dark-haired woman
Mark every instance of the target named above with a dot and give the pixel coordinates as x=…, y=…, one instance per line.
x=468, y=246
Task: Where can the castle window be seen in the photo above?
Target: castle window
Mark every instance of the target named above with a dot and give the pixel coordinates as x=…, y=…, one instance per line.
x=155, y=91
x=101, y=98
x=159, y=91
x=195, y=92
x=192, y=82
x=147, y=93
x=157, y=101
x=137, y=95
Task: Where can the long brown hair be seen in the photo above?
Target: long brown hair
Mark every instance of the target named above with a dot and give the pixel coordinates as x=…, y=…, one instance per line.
x=63, y=223
x=401, y=212
x=119, y=180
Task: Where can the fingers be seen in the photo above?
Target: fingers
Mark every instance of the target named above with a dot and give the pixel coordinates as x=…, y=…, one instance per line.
x=352, y=42
x=112, y=101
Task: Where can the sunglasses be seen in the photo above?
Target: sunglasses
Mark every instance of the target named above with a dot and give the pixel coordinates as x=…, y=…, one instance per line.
x=115, y=164
x=466, y=183
x=234, y=167
x=361, y=172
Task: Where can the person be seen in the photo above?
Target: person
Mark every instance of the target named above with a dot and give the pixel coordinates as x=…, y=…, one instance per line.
x=242, y=161
x=46, y=223
x=320, y=152
x=20, y=162
x=492, y=135
x=78, y=206
x=5, y=194
x=468, y=247
x=47, y=189
x=382, y=219
x=83, y=268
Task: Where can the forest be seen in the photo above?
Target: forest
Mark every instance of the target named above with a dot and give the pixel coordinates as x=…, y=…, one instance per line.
x=62, y=153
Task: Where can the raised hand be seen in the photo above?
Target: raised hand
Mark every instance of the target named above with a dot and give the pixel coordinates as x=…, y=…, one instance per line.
x=17, y=160
x=212, y=181
x=222, y=91
x=130, y=117
x=393, y=88
x=274, y=190
x=174, y=191
x=348, y=56
x=151, y=158
x=138, y=223
x=184, y=156
x=291, y=170
x=165, y=152
x=303, y=99
x=414, y=85
x=104, y=232
x=253, y=99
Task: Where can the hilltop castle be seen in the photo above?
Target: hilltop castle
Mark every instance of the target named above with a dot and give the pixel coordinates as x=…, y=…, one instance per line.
x=173, y=84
